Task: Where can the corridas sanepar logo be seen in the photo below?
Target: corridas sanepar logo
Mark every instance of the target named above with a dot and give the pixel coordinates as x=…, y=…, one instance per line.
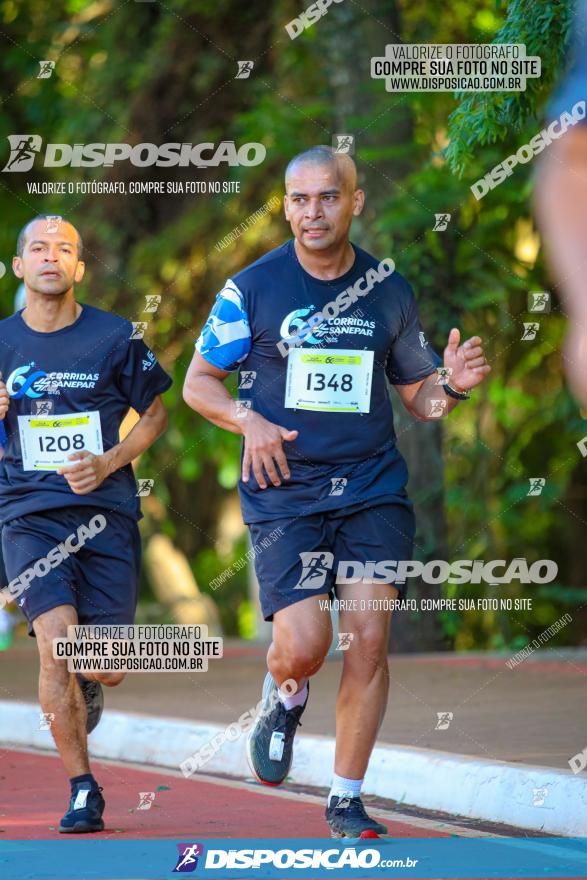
x=30, y=382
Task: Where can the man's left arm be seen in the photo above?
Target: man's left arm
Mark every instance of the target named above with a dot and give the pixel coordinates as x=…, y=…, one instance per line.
x=466, y=368
x=87, y=471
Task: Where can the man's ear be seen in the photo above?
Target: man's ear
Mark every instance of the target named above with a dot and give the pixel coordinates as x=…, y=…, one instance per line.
x=286, y=207
x=358, y=202
x=79, y=271
x=17, y=267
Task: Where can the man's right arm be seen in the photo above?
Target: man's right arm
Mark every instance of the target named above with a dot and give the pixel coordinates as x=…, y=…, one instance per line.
x=204, y=391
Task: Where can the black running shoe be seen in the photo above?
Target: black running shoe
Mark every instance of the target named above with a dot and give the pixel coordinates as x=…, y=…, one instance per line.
x=347, y=818
x=94, y=699
x=85, y=810
x=270, y=742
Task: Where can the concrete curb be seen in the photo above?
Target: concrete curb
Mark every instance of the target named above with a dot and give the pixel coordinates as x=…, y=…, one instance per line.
x=494, y=791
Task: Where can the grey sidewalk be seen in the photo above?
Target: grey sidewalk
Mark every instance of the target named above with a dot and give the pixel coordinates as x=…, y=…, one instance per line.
x=532, y=714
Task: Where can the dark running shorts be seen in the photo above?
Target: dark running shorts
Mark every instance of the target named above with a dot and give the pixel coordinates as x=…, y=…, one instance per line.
x=304, y=560
x=100, y=579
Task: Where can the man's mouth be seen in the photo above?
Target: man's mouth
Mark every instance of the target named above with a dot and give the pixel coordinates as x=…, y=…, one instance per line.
x=50, y=273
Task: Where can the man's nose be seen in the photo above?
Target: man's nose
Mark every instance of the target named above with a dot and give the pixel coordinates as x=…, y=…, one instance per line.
x=313, y=209
x=52, y=254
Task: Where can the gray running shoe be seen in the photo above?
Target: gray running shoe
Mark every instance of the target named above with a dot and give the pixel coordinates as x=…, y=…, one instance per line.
x=270, y=742
x=347, y=818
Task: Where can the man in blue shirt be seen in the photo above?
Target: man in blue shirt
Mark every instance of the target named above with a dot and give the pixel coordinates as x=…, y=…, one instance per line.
x=317, y=329
x=68, y=497
x=561, y=204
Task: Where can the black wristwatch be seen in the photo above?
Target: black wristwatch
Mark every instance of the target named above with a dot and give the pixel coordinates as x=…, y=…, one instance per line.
x=457, y=395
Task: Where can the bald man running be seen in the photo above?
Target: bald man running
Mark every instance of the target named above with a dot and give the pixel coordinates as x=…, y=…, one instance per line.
x=317, y=328
x=68, y=496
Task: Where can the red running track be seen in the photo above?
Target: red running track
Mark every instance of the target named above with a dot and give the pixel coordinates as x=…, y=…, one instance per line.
x=35, y=794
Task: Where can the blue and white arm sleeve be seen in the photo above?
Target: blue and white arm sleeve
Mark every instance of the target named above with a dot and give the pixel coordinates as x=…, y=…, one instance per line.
x=225, y=340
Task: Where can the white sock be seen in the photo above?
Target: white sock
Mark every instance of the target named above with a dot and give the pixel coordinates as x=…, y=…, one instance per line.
x=342, y=787
x=297, y=699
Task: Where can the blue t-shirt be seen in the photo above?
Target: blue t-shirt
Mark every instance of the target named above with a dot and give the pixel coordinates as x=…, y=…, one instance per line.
x=90, y=365
x=573, y=86
x=341, y=459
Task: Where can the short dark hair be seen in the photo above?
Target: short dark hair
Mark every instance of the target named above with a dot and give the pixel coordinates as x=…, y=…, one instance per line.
x=22, y=235
x=320, y=155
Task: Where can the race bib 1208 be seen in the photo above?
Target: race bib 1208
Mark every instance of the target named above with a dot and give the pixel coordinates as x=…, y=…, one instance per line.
x=47, y=443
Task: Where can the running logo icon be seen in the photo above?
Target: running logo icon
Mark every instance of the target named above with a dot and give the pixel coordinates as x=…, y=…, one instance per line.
x=42, y=407
x=344, y=643
x=530, y=330
x=45, y=720
x=444, y=719
x=436, y=408
x=539, y=302
x=47, y=68
x=441, y=222
x=144, y=488
x=52, y=223
x=315, y=567
x=23, y=149
x=242, y=408
x=146, y=799
x=244, y=69
x=537, y=484
x=152, y=302
x=444, y=374
x=138, y=329
x=344, y=143
x=246, y=378
x=187, y=861
x=539, y=796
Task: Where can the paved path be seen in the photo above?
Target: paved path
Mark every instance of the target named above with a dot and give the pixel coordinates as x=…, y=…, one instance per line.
x=532, y=714
x=35, y=794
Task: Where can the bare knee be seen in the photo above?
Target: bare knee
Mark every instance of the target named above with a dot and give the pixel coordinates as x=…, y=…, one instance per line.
x=306, y=658
x=366, y=656
x=302, y=634
x=296, y=658
x=48, y=627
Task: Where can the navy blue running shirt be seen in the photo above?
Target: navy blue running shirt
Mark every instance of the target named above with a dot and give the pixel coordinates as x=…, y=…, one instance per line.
x=91, y=365
x=345, y=454
x=572, y=87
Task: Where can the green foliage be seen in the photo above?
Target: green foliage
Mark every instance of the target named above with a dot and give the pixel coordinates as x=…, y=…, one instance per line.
x=489, y=117
x=165, y=72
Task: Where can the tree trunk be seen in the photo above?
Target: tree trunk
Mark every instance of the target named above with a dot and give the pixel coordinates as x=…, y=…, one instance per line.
x=349, y=39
